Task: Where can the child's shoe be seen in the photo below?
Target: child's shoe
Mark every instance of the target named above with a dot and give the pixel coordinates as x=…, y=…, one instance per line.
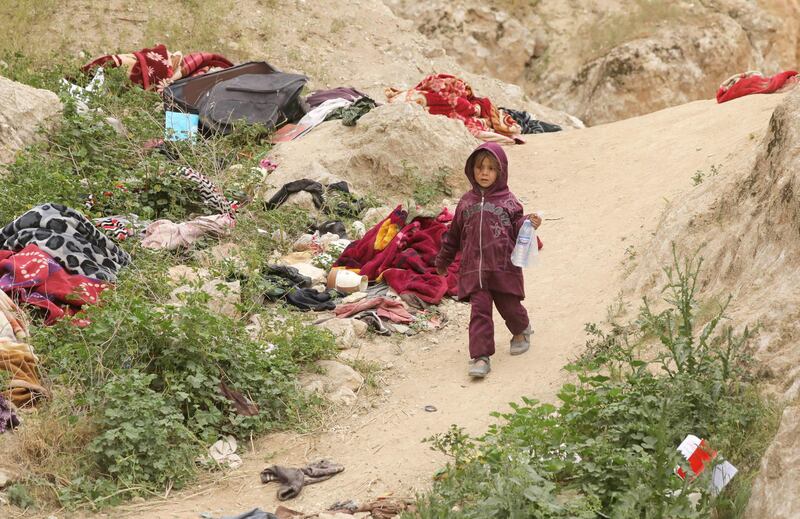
x=479, y=367
x=520, y=346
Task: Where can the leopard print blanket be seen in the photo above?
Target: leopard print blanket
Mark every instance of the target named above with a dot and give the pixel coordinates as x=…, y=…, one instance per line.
x=68, y=237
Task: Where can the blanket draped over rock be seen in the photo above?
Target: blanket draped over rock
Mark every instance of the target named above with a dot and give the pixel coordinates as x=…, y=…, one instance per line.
x=160, y=66
x=403, y=255
x=752, y=82
x=33, y=277
x=70, y=238
x=443, y=94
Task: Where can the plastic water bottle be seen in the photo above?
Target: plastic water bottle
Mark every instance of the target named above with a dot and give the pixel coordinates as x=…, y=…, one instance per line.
x=522, y=249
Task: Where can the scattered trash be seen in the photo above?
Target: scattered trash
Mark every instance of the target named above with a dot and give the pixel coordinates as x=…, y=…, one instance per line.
x=699, y=455
x=292, y=480
x=179, y=126
x=223, y=453
x=430, y=409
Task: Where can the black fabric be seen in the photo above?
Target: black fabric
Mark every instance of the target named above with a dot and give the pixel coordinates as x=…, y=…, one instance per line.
x=320, y=96
x=279, y=280
x=267, y=99
x=343, y=203
x=255, y=513
x=309, y=299
x=529, y=124
x=331, y=226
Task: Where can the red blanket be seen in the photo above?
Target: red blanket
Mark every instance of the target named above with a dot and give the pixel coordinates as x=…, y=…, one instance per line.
x=754, y=83
x=161, y=67
x=34, y=277
x=407, y=262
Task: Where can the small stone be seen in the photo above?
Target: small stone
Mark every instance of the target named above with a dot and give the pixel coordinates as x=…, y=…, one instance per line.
x=343, y=395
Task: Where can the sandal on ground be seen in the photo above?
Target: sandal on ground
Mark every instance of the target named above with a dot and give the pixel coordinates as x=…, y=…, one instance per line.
x=520, y=346
x=479, y=367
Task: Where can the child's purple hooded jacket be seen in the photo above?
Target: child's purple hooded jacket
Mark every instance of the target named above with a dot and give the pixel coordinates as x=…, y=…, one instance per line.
x=484, y=229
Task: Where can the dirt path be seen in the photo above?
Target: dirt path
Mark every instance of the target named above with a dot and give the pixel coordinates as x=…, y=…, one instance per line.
x=608, y=185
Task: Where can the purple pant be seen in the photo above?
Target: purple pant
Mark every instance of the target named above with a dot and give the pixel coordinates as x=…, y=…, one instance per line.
x=481, y=324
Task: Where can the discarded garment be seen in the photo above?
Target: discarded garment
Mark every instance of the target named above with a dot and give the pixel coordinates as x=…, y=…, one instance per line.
x=309, y=299
x=444, y=94
x=255, y=513
x=211, y=195
x=165, y=234
x=386, y=308
x=331, y=226
x=223, y=452
x=70, y=238
x=243, y=405
x=121, y=227
x=753, y=82
x=318, y=97
x=529, y=124
x=411, y=248
x=162, y=67
x=319, y=194
x=318, y=115
x=18, y=360
x=293, y=480
x=12, y=325
x=33, y=277
x=279, y=280
x=352, y=113
x=8, y=416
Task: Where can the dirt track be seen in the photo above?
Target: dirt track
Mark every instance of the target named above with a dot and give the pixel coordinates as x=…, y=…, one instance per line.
x=608, y=185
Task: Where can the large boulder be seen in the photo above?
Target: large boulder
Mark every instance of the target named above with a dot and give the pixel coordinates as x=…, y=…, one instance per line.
x=774, y=492
x=23, y=110
x=392, y=147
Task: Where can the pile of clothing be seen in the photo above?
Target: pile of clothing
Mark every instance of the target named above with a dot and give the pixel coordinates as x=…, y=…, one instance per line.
x=345, y=103
x=753, y=82
x=54, y=258
x=401, y=250
x=156, y=67
x=444, y=94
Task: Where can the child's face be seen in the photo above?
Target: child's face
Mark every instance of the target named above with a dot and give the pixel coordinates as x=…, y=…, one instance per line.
x=485, y=172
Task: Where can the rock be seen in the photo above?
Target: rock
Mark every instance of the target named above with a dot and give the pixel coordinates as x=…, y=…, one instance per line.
x=355, y=296
x=374, y=215
x=774, y=492
x=346, y=331
x=314, y=386
x=340, y=375
x=23, y=110
x=343, y=396
x=187, y=274
x=316, y=274
x=5, y=479
x=382, y=153
x=358, y=230
x=303, y=243
x=225, y=296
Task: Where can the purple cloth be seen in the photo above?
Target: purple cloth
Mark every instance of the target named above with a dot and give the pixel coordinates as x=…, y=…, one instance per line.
x=8, y=418
x=481, y=323
x=484, y=229
x=320, y=96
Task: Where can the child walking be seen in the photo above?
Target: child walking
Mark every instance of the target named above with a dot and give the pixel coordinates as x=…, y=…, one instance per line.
x=484, y=229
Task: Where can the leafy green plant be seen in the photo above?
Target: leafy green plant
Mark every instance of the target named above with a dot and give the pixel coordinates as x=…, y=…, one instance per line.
x=609, y=448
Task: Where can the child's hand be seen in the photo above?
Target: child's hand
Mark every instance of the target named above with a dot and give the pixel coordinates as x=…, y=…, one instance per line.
x=441, y=271
x=535, y=219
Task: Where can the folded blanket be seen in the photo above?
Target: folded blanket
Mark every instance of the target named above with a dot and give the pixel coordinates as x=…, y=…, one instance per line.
x=35, y=278
x=18, y=360
x=69, y=237
x=293, y=480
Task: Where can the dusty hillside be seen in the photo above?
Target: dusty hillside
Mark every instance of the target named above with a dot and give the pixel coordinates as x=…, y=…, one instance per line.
x=746, y=228
x=605, y=61
x=361, y=43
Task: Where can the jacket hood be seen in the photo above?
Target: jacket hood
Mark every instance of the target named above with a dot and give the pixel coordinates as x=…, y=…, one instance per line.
x=502, y=176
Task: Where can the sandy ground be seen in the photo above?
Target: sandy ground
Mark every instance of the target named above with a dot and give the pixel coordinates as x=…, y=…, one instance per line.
x=607, y=187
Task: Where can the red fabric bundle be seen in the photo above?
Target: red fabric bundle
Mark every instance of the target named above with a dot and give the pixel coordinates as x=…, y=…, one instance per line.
x=34, y=277
x=155, y=68
x=753, y=83
x=407, y=263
